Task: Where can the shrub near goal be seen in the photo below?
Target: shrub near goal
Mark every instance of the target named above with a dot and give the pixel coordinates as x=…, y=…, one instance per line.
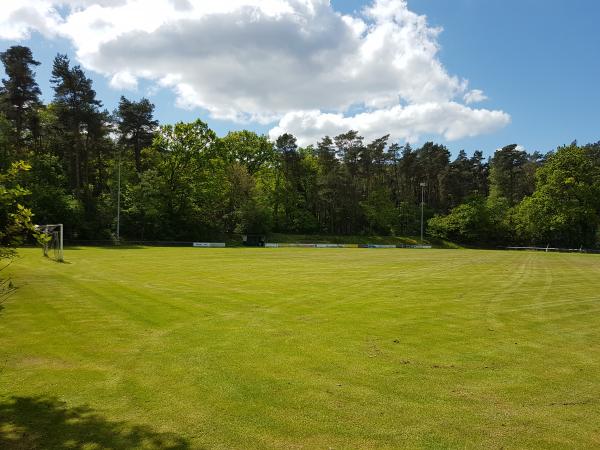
x=53, y=242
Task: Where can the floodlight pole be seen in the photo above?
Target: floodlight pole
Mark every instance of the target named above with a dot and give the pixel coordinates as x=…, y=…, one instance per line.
x=119, y=202
x=422, y=207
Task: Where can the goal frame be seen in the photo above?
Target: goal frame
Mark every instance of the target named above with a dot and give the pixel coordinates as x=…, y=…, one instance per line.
x=50, y=228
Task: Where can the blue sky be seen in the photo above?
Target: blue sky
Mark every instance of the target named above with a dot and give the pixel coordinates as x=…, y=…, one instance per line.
x=535, y=60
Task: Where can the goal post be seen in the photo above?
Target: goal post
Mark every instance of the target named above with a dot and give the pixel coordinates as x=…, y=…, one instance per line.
x=53, y=240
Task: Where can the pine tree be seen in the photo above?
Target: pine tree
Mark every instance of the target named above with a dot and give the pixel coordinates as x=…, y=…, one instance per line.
x=136, y=126
x=19, y=93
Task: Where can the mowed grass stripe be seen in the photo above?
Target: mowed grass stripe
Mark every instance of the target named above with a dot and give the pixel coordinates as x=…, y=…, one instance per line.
x=314, y=348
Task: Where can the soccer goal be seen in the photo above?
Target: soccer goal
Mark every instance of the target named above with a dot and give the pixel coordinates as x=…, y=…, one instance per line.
x=53, y=242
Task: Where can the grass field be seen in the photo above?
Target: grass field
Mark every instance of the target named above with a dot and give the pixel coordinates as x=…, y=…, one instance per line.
x=301, y=348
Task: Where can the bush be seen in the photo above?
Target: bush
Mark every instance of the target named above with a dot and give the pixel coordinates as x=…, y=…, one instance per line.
x=468, y=222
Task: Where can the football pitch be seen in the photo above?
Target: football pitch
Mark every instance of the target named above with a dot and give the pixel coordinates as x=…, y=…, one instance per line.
x=300, y=348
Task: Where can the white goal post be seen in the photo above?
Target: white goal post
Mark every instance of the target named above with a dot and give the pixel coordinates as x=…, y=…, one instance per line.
x=55, y=243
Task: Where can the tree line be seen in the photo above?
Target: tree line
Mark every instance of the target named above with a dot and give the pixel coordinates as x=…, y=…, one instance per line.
x=183, y=182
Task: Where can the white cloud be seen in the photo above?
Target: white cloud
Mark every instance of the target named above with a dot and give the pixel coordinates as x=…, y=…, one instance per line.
x=451, y=120
x=124, y=80
x=474, y=96
x=272, y=60
x=18, y=18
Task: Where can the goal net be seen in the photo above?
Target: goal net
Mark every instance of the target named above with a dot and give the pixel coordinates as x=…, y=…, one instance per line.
x=52, y=244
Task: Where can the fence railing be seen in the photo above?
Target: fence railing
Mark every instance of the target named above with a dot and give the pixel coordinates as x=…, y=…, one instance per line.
x=110, y=243
x=556, y=249
x=292, y=245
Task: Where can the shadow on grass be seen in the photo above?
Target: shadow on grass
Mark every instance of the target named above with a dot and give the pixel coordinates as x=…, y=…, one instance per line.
x=6, y=290
x=47, y=423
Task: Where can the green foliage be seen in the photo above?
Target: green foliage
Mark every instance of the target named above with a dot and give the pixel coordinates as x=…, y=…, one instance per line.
x=432, y=161
x=565, y=208
x=185, y=154
x=15, y=219
x=468, y=222
x=49, y=198
x=142, y=206
x=512, y=173
x=254, y=218
x=295, y=187
x=408, y=221
x=19, y=93
x=6, y=150
x=466, y=177
x=183, y=182
x=380, y=212
x=502, y=219
x=81, y=134
x=248, y=149
x=136, y=126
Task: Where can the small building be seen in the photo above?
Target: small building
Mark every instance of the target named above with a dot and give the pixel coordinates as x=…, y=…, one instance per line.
x=254, y=240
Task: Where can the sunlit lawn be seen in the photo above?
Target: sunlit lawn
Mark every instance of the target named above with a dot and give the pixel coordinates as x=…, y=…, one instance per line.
x=301, y=348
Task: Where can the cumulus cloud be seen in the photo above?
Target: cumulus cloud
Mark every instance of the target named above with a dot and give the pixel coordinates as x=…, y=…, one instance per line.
x=475, y=96
x=298, y=63
x=18, y=18
x=450, y=120
x=124, y=80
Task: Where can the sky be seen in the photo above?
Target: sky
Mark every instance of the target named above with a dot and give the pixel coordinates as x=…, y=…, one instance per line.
x=471, y=74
